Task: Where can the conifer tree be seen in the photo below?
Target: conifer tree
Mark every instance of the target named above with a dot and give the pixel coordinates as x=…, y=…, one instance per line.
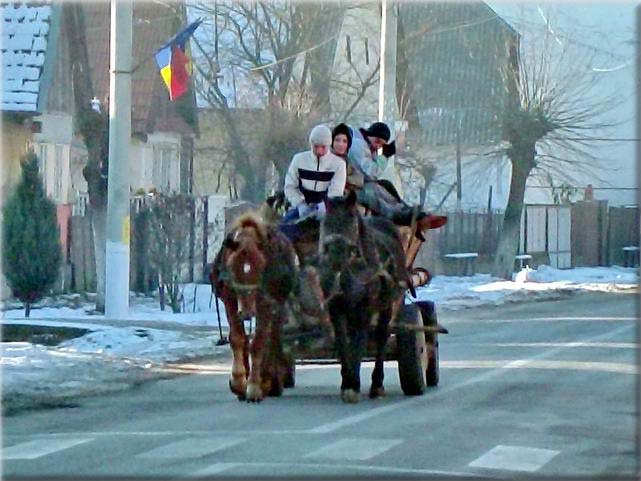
x=31, y=246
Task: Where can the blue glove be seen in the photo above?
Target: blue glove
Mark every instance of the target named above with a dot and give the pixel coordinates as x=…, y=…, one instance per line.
x=320, y=210
x=303, y=210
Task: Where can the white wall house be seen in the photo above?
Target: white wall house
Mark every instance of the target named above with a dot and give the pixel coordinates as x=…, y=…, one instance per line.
x=156, y=163
x=54, y=145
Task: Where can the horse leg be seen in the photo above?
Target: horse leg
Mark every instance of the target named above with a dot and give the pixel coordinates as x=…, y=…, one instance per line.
x=238, y=341
x=274, y=361
x=278, y=356
x=357, y=342
x=341, y=344
x=381, y=334
x=254, y=393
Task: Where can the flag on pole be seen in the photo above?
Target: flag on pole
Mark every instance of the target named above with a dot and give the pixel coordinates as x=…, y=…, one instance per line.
x=174, y=62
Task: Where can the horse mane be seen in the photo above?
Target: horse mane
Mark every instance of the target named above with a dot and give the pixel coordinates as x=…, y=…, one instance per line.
x=251, y=220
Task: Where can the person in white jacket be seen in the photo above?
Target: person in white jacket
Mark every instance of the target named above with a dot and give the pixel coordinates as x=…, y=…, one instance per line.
x=313, y=176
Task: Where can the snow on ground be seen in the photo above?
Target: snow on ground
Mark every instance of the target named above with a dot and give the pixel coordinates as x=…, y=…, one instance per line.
x=118, y=353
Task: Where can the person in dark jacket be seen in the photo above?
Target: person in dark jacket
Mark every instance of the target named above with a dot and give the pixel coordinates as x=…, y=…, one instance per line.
x=378, y=195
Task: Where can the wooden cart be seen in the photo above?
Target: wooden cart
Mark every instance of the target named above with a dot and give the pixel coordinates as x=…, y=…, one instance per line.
x=413, y=341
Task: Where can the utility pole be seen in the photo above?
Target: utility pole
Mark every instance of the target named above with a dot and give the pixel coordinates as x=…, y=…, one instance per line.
x=117, y=249
x=387, y=108
x=459, y=177
x=387, y=105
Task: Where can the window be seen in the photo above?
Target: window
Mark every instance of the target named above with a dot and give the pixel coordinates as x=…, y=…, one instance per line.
x=42, y=163
x=166, y=173
x=57, y=174
x=166, y=159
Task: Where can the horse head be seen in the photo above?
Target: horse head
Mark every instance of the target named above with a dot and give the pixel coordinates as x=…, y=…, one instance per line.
x=340, y=232
x=245, y=261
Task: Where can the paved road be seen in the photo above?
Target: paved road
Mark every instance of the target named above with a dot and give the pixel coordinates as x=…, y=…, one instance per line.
x=534, y=389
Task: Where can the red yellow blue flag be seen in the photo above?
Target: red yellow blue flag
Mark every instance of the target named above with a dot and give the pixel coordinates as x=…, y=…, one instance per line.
x=174, y=62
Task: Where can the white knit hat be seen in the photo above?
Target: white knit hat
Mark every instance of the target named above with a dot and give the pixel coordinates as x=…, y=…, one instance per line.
x=320, y=135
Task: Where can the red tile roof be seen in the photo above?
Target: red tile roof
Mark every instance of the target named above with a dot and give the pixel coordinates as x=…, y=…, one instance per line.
x=153, y=24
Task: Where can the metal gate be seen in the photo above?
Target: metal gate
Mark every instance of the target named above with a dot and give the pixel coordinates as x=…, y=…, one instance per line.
x=547, y=229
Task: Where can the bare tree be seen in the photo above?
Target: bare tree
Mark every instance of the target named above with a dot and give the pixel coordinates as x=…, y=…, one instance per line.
x=558, y=111
x=169, y=225
x=276, y=54
x=94, y=129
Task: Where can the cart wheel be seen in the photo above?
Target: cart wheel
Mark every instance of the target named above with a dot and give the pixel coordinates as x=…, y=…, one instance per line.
x=428, y=311
x=289, y=380
x=412, y=352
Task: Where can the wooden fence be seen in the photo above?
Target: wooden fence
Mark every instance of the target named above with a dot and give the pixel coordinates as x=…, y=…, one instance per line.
x=598, y=235
x=207, y=223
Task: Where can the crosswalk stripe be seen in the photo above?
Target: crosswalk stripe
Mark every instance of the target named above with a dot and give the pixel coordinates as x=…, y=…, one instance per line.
x=191, y=448
x=514, y=458
x=355, y=449
x=40, y=447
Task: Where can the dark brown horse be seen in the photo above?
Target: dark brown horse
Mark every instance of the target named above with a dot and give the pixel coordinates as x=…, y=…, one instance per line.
x=254, y=274
x=364, y=277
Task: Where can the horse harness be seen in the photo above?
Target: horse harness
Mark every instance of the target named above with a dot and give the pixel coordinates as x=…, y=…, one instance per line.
x=357, y=254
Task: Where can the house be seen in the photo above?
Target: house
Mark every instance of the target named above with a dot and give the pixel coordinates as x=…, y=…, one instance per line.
x=163, y=132
x=38, y=104
x=214, y=170
x=37, y=107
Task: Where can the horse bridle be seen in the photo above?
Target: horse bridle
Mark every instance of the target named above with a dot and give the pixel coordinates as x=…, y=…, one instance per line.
x=354, y=248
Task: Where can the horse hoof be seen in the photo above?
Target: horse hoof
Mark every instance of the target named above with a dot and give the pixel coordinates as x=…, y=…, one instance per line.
x=350, y=396
x=238, y=389
x=254, y=393
x=276, y=390
x=375, y=393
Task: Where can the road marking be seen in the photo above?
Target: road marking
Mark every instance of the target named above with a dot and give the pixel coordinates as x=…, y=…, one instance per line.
x=349, y=420
x=536, y=364
x=161, y=433
x=541, y=319
x=355, y=449
x=214, y=469
x=514, y=458
x=40, y=447
x=191, y=448
x=220, y=467
x=613, y=345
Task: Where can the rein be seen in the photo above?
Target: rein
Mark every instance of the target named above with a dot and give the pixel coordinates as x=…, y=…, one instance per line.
x=380, y=271
x=243, y=287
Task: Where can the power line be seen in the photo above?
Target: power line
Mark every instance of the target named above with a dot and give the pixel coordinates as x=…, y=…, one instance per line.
x=576, y=187
x=589, y=139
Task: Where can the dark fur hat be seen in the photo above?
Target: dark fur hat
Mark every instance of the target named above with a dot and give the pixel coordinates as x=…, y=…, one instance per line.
x=345, y=130
x=380, y=130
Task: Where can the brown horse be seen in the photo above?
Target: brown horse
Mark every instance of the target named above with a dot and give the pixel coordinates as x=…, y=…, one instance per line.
x=254, y=274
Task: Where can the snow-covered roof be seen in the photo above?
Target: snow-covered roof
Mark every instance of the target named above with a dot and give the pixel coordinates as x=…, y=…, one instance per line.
x=25, y=30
